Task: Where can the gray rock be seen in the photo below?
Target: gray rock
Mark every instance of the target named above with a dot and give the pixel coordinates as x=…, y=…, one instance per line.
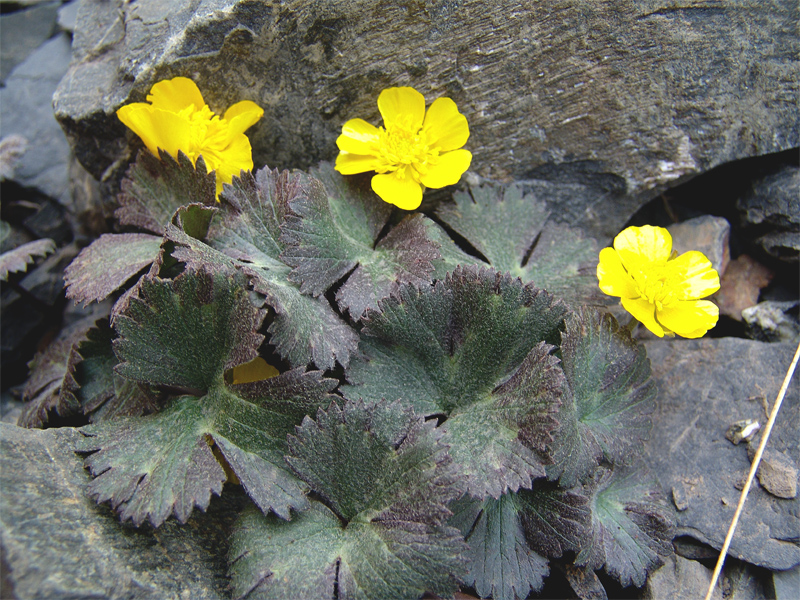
x=741, y=581
x=621, y=98
x=23, y=32
x=777, y=473
x=774, y=200
x=67, y=16
x=705, y=385
x=679, y=578
x=707, y=234
x=26, y=110
x=58, y=543
x=772, y=322
x=786, y=584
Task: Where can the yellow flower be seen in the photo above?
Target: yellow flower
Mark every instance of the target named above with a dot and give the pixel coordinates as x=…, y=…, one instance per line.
x=177, y=118
x=414, y=151
x=658, y=287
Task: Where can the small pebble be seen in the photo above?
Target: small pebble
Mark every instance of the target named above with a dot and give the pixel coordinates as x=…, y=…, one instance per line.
x=742, y=431
x=679, y=497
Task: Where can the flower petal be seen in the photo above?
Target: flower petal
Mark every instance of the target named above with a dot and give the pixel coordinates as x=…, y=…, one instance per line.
x=644, y=311
x=350, y=164
x=640, y=246
x=231, y=161
x=175, y=94
x=694, y=276
x=403, y=105
x=400, y=191
x=613, y=279
x=358, y=137
x=690, y=319
x=241, y=116
x=447, y=128
x=448, y=170
x=158, y=128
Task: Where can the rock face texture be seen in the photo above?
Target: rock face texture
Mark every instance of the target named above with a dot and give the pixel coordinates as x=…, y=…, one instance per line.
x=623, y=97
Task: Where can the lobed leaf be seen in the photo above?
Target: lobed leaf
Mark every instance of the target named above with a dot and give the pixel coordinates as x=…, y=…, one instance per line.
x=555, y=520
x=510, y=229
x=247, y=230
x=19, y=258
x=333, y=229
x=385, y=480
x=500, y=562
x=608, y=401
x=631, y=528
x=108, y=263
x=470, y=347
x=155, y=187
x=43, y=390
x=161, y=464
x=186, y=332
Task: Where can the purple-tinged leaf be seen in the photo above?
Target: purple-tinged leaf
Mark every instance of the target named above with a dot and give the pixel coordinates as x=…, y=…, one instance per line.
x=108, y=263
x=631, y=526
x=608, y=401
x=555, y=520
x=18, y=259
x=43, y=390
x=388, y=479
x=501, y=564
x=154, y=189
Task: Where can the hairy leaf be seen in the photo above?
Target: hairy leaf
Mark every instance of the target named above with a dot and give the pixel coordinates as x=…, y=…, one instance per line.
x=43, y=390
x=186, y=332
x=332, y=230
x=93, y=383
x=470, y=347
x=632, y=529
x=110, y=261
x=19, y=258
x=247, y=230
x=387, y=480
x=555, y=520
x=501, y=564
x=161, y=464
x=155, y=187
x=506, y=226
x=609, y=399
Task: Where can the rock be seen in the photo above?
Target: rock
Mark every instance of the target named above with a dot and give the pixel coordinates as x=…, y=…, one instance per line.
x=774, y=202
x=773, y=322
x=786, y=584
x=622, y=98
x=742, y=431
x=777, y=473
x=741, y=581
x=57, y=543
x=23, y=32
x=741, y=285
x=705, y=385
x=688, y=547
x=26, y=110
x=11, y=150
x=679, y=578
x=679, y=496
x=584, y=582
x=707, y=234
x=67, y=15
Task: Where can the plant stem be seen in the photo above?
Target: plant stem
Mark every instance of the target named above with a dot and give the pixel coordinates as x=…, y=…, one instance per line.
x=753, y=469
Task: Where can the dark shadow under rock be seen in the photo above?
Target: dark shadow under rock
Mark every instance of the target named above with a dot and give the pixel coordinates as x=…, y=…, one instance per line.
x=705, y=386
x=57, y=543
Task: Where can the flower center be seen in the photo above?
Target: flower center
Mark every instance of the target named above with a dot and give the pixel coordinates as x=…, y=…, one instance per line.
x=404, y=149
x=657, y=284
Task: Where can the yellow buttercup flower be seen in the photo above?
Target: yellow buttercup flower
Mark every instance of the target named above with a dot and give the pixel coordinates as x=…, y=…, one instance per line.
x=177, y=118
x=413, y=150
x=659, y=288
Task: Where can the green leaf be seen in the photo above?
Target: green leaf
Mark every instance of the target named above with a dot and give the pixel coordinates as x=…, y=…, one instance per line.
x=555, y=520
x=186, y=332
x=387, y=480
x=510, y=229
x=19, y=258
x=632, y=529
x=501, y=564
x=247, y=230
x=161, y=464
x=609, y=398
x=92, y=382
x=108, y=263
x=332, y=230
x=43, y=390
x=470, y=347
x=154, y=189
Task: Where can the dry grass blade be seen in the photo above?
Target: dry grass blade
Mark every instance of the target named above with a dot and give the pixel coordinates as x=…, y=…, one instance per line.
x=753, y=469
